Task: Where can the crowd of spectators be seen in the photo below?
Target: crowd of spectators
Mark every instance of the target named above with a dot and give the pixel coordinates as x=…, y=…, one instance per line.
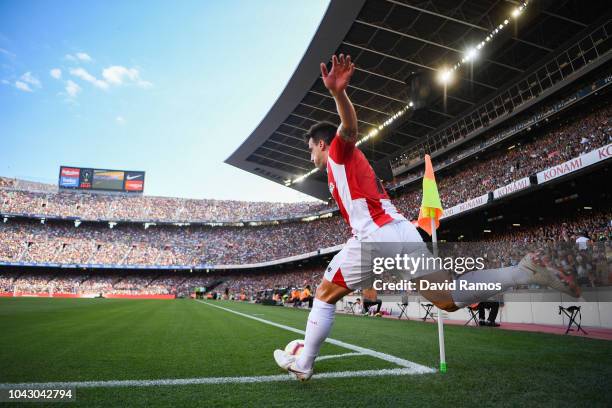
x=88, y=206
x=522, y=121
x=164, y=245
x=251, y=284
x=159, y=283
x=7, y=182
x=61, y=242
x=167, y=245
x=566, y=140
x=557, y=242
x=27, y=185
x=503, y=248
x=29, y=241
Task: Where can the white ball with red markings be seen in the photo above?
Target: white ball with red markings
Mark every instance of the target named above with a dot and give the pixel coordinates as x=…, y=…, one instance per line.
x=295, y=347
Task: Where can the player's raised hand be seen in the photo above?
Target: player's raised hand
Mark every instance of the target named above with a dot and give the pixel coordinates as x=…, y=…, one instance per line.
x=337, y=79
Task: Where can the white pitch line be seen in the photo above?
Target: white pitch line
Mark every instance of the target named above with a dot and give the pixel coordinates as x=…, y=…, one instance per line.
x=208, y=380
x=416, y=368
x=329, y=357
x=409, y=368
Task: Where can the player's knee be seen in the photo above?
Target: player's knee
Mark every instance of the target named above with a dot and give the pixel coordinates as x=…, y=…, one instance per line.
x=329, y=292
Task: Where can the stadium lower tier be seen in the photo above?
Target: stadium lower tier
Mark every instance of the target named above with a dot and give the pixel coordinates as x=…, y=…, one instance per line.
x=62, y=244
x=88, y=283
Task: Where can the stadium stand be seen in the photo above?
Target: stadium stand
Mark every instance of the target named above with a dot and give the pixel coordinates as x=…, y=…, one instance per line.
x=16, y=200
x=541, y=114
x=29, y=241
x=179, y=284
x=568, y=138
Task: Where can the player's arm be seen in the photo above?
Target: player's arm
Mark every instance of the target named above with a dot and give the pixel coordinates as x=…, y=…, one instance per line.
x=336, y=81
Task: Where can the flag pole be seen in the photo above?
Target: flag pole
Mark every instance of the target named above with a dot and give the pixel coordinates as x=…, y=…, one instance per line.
x=434, y=240
x=431, y=207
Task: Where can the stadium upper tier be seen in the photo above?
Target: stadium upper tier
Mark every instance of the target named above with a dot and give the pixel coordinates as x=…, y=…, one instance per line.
x=99, y=207
x=427, y=74
x=451, y=153
x=559, y=143
x=569, y=136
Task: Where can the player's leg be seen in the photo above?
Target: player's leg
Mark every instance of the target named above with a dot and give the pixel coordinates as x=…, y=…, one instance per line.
x=320, y=321
x=321, y=317
x=525, y=273
x=529, y=271
x=333, y=288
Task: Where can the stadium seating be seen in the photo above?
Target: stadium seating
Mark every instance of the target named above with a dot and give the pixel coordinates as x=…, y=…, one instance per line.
x=48, y=241
x=565, y=141
x=24, y=240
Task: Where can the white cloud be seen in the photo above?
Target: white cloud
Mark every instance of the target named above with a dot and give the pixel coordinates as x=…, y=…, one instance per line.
x=22, y=86
x=112, y=76
x=120, y=120
x=86, y=76
x=83, y=56
x=30, y=79
x=26, y=82
x=72, y=88
x=79, y=56
x=118, y=75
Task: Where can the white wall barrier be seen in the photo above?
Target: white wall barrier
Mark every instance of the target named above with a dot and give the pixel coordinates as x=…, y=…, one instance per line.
x=521, y=306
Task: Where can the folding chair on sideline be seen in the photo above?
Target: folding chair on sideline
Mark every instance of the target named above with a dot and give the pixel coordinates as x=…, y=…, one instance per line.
x=473, y=314
x=572, y=313
x=403, y=310
x=428, y=313
x=350, y=308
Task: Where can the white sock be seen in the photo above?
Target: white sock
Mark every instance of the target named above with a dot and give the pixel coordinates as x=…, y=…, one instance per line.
x=507, y=277
x=320, y=321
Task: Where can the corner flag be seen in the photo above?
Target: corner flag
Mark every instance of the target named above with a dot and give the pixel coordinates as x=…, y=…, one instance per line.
x=429, y=220
x=431, y=207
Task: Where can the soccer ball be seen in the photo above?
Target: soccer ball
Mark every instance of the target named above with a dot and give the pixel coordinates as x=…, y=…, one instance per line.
x=294, y=347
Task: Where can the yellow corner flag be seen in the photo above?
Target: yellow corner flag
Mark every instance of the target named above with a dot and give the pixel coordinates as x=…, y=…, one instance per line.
x=431, y=207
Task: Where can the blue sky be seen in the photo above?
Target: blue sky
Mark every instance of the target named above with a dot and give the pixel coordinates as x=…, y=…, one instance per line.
x=171, y=88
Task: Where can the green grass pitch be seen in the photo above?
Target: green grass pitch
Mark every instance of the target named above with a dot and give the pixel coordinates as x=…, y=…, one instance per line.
x=46, y=340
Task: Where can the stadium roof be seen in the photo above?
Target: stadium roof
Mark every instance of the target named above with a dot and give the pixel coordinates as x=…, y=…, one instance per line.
x=389, y=41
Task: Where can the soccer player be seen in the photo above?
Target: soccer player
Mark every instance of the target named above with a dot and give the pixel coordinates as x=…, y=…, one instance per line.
x=365, y=205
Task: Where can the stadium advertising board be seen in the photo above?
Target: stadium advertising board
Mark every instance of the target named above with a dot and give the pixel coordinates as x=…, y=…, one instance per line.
x=101, y=179
x=575, y=164
x=69, y=177
x=468, y=205
x=134, y=181
x=512, y=187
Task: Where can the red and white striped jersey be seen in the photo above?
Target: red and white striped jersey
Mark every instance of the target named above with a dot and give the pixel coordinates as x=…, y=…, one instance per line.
x=361, y=198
